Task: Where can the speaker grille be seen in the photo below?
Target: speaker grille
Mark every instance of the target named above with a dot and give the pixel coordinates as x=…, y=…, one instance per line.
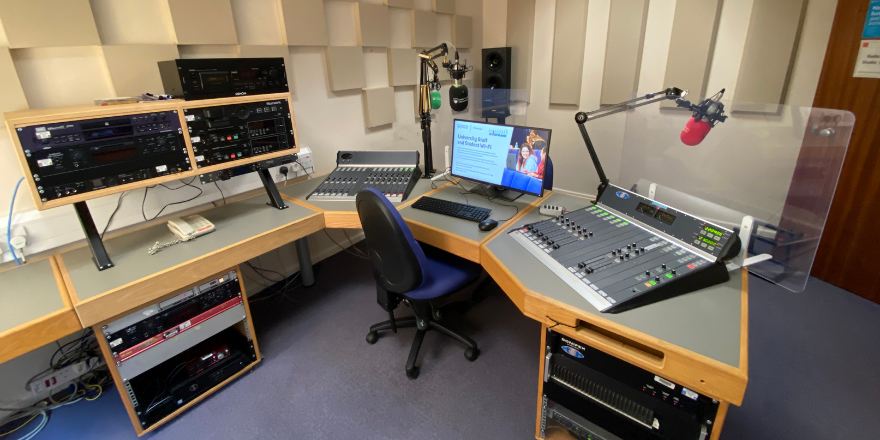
x=598, y=393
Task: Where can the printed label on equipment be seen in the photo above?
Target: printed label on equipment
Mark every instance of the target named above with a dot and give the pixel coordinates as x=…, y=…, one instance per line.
x=665, y=382
x=42, y=133
x=185, y=325
x=161, y=168
x=190, y=118
x=115, y=343
x=200, y=158
x=689, y=394
x=195, y=139
x=44, y=162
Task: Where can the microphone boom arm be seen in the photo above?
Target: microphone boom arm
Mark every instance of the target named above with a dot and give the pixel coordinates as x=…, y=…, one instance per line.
x=582, y=117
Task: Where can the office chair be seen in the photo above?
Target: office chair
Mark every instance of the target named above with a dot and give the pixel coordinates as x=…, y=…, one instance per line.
x=406, y=272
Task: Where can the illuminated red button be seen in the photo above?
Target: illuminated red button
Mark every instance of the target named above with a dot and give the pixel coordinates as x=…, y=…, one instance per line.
x=232, y=156
x=228, y=138
x=690, y=266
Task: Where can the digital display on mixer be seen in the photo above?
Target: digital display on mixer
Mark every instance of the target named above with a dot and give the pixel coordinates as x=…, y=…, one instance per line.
x=714, y=231
x=665, y=217
x=709, y=242
x=646, y=209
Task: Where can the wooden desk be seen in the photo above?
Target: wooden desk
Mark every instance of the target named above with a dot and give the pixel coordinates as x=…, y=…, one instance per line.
x=35, y=309
x=699, y=340
x=343, y=213
x=245, y=230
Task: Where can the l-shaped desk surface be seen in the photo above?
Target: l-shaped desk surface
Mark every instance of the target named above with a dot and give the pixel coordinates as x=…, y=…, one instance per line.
x=699, y=340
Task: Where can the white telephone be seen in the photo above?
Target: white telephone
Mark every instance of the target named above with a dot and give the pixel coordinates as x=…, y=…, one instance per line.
x=190, y=227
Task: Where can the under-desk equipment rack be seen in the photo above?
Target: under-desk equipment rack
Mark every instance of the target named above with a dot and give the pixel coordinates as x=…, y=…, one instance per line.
x=393, y=173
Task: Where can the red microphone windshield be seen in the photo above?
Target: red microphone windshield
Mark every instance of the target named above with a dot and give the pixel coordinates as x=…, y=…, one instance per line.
x=694, y=132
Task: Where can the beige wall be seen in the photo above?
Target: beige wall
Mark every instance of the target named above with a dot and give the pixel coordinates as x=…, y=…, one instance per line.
x=573, y=170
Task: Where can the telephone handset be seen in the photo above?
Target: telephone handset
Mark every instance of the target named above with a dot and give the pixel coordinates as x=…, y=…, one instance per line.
x=190, y=227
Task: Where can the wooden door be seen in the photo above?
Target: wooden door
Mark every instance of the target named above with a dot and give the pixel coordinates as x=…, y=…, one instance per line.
x=849, y=251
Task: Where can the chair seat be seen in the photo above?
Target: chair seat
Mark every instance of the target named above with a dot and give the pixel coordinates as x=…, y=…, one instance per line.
x=445, y=274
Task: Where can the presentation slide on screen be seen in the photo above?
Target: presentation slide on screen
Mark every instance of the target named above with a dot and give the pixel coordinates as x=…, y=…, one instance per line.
x=479, y=151
x=496, y=154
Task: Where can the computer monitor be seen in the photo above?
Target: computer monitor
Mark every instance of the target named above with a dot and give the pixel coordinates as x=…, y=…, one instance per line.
x=508, y=159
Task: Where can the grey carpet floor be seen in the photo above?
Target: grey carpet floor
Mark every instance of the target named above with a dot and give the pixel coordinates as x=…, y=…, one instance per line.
x=813, y=370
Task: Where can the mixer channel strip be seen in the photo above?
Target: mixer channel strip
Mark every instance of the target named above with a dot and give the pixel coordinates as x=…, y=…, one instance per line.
x=345, y=182
x=607, y=258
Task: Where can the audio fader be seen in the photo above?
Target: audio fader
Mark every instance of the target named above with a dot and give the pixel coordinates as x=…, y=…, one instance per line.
x=393, y=173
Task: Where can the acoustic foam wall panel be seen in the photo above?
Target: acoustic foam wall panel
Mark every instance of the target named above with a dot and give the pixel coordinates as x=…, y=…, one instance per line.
x=520, y=37
x=258, y=22
x=769, y=53
x=116, y=24
x=401, y=36
x=133, y=68
x=462, y=31
x=345, y=67
x=203, y=21
x=443, y=6
x=304, y=22
x=403, y=67
x=623, y=50
x=209, y=51
x=48, y=23
x=378, y=106
x=405, y=4
x=423, y=28
x=56, y=76
x=694, y=28
x=372, y=24
x=566, y=71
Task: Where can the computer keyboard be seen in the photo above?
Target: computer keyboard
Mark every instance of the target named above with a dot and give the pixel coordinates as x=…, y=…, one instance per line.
x=452, y=209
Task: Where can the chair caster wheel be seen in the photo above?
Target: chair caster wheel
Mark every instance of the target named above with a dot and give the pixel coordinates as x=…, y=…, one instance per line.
x=413, y=374
x=471, y=354
x=436, y=314
x=372, y=337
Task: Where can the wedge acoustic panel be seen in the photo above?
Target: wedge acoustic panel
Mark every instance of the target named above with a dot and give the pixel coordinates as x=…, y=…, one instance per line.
x=405, y=4
x=567, y=69
x=133, y=69
x=694, y=27
x=768, y=56
x=443, y=6
x=203, y=21
x=304, y=22
x=623, y=50
x=403, y=67
x=372, y=25
x=379, y=106
x=48, y=23
x=423, y=27
x=345, y=67
x=258, y=22
x=116, y=26
x=462, y=31
x=520, y=35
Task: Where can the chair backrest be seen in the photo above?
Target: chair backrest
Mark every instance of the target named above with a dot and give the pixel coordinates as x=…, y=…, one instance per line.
x=398, y=260
x=548, y=175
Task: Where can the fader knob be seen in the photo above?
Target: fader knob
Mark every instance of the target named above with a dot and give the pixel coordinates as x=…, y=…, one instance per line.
x=648, y=273
x=656, y=278
x=581, y=265
x=663, y=266
x=673, y=271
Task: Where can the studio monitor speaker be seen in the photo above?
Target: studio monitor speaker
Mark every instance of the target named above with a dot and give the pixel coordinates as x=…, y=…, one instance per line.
x=496, y=82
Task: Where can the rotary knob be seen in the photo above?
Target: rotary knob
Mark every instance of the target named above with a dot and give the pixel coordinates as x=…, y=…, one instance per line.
x=273, y=73
x=77, y=155
x=242, y=112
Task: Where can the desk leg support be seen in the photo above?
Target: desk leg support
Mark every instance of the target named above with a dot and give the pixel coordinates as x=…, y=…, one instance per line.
x=93, y=237
x=305, y=262
x=275, y=199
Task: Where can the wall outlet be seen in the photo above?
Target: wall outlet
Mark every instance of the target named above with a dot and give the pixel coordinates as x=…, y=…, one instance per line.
x=305, y=159
x=62, y=377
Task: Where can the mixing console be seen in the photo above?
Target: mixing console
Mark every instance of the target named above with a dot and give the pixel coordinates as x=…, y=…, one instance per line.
x=628, y=251
x=393, y=173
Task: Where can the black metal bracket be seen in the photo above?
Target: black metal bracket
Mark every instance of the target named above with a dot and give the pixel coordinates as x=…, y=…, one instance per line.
x=96, y=244
x=275, y=199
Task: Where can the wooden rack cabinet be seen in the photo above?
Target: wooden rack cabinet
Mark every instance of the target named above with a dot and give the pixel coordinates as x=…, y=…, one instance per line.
x=185, y=339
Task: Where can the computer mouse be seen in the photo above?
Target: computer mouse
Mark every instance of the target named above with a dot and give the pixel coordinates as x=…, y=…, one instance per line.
x=488, y=225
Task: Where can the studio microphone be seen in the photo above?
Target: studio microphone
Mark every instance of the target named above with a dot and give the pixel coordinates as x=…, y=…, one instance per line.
x=458, y=93
x=706, y=115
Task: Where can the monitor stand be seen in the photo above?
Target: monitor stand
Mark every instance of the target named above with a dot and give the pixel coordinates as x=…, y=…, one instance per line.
x=495, y=192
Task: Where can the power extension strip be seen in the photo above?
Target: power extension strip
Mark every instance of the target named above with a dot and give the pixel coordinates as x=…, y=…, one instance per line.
x=551, y=210
x=63, y=376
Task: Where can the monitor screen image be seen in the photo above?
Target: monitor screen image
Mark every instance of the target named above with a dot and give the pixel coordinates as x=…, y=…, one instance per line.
x=506, y=156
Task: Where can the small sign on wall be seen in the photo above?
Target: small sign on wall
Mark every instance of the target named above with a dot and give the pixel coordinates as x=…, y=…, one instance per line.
x=872, y=21
x=868, y=61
